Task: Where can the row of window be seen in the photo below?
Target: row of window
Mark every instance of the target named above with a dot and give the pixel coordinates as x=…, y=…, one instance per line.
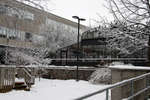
x=61, y=25
x=66, y=30
x=15, y=34
x=12, y=11
x=20, y=35
x=12, y=33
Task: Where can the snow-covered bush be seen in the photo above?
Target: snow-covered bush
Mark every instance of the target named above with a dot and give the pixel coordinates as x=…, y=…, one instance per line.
x=17, y=56
x=101, y=75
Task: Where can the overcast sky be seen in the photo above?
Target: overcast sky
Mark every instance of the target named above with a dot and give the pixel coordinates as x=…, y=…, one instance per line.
x=87, y=9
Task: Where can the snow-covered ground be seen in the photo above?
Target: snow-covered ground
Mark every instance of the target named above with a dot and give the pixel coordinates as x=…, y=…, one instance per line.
x=56, y=90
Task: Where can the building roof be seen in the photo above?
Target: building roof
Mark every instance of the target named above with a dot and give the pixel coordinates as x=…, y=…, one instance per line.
x=53, y=16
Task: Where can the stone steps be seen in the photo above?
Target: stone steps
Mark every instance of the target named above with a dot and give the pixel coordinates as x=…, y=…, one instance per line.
x=20, y=86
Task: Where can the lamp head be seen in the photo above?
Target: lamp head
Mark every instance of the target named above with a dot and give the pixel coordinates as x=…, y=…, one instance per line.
x=75, y=17
x=82, y=19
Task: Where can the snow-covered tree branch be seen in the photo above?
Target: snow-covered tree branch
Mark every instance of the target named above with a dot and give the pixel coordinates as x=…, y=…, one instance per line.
x=132, y=11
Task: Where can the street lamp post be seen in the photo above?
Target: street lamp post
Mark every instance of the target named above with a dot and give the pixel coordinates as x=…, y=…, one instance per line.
x=79, y=19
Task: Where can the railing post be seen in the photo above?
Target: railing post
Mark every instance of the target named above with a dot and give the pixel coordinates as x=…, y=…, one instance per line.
x=147, y=85
x=132, y=89
x=107, y=94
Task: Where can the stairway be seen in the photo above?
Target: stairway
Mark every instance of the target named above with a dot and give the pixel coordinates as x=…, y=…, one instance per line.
x=28, y=79
x=20, y=86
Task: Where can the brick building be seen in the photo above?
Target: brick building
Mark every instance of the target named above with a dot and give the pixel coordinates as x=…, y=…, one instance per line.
x=22, y=25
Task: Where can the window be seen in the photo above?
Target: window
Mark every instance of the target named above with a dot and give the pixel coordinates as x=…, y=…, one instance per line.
x=2, y=55
x=22, y=14
x=27, y=15
x=3, y=9
x=21, y=35
x=28, y=37
x=38, y=39
x=2, y=32
x=12, y=33
x=49, y=21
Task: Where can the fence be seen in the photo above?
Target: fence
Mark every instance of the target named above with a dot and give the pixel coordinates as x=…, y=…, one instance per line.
x=122, y=83
x=7, y=78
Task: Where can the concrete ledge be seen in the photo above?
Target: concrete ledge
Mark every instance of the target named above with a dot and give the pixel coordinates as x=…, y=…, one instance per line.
x=123, y=72
x=129, y=67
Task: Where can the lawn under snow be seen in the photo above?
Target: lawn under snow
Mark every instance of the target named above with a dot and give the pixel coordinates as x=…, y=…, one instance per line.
x=56, y=90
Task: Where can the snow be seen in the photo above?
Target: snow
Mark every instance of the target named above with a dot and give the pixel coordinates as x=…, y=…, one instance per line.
x=59, y=67
x=7, y=66
x=19, y=80
x=101, y=75
x=128, y=66
x=56, y=90
x=124, y=41
x=46, y=66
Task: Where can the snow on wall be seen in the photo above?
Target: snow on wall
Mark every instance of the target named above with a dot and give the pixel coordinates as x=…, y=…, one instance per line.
x=101, y=75
x=128, y=66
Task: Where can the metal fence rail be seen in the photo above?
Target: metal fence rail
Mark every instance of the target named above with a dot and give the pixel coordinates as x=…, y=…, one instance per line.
x=119, y=84
x=117, y=59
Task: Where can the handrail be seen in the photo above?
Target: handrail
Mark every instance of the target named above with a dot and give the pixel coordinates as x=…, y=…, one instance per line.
x=27, y=72
x=116, y=85
x=129, y=98
x=28, y=78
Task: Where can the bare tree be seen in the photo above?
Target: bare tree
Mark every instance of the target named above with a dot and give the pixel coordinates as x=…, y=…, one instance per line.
x=122, y=40
x=56, y=36
x=41, y=4
x=132, y=11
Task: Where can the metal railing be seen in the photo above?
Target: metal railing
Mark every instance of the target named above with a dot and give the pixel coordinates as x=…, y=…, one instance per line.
x=119, y=84
x=64, y=60
x=29, y=79
x=117, y=59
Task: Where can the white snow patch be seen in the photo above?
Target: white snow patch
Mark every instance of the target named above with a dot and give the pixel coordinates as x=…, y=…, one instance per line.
x=128, y=66
x=56, y=90
x=55, y=67
x=101, y=75
x=43, y=65
x=117, y=63
x=19, y=80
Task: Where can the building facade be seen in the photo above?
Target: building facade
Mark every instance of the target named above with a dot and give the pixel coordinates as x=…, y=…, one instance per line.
x=24, y=26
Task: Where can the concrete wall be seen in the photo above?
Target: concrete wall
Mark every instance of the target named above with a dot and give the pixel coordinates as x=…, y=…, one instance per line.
x=68, y=73
x=125, y=91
